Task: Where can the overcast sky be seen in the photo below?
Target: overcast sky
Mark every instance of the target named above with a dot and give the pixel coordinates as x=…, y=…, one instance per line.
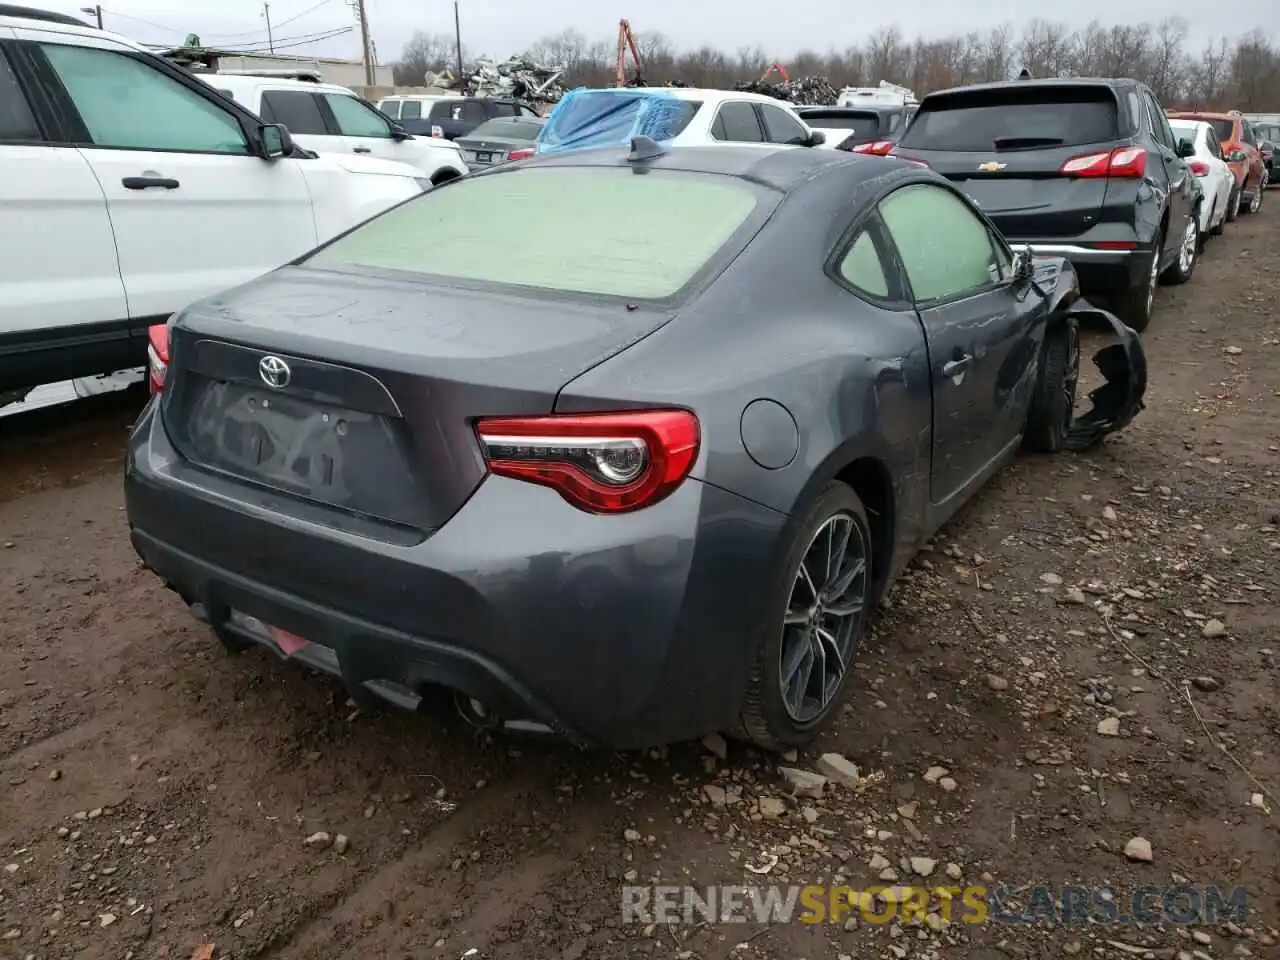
x=501, y=27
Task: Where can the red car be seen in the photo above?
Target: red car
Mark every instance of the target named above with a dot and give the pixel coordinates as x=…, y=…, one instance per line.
x=1240, y=150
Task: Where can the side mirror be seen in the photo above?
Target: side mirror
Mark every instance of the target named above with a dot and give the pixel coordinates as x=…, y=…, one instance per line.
x=1186, y=148
x=816, y=139
x=400, y=133
x=274, y=141
x=1024, y=269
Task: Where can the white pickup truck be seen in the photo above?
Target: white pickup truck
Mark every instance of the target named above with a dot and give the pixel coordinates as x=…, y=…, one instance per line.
x=130, y=189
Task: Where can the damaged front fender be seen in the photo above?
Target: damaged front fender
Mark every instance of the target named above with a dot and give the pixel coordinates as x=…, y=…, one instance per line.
x=1123, y=364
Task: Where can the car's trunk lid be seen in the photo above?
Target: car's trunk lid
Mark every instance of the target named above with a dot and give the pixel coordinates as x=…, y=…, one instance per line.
x=360, y=392
x=1005, y=147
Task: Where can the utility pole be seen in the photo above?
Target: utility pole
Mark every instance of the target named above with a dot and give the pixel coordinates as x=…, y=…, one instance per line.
x=369, y=78
x=457, y=36
x=266, y=12
x=95, y=11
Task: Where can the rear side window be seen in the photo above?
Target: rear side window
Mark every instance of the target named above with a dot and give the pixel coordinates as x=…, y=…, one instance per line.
x=390, y=107
x=410, y=110
x=1015, y=118
x=16, y=121
x=736, y=122
x=579, y=230
x=446, y=110
x=297, y=110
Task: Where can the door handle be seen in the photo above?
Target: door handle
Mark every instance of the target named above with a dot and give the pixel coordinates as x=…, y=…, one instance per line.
x=361, y=150
x=958, y=365
x=142, y=183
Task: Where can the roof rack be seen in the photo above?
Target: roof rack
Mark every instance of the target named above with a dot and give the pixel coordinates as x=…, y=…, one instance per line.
x=31, y=13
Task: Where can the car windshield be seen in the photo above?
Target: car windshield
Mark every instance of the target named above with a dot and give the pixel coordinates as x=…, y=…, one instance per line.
x=1224, y=130
x=512, y=129
x=864, y=123
x=1014, y=117
x=579, y=230
x=1268, y=131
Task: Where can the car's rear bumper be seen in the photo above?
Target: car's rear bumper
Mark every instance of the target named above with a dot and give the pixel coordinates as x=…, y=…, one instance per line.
x=1107, y=272
x=627, y=630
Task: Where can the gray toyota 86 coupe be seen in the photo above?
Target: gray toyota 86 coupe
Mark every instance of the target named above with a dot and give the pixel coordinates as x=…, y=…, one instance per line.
x=624, y=444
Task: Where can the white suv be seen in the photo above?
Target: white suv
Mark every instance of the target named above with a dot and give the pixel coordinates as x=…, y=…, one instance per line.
x=130, y=189
x=327, y=117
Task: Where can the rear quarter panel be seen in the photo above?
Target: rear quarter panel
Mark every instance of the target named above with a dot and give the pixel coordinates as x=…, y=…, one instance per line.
x=774, y=326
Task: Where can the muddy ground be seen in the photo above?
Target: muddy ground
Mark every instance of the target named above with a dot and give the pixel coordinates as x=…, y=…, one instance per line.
x=156, y=793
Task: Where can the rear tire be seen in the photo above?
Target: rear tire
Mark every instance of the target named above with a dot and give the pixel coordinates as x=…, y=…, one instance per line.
x=1233, y=205
x=1137, y=303
x=1255, y=201
x=1054, y=402
x=1184, y=266
x=231, y=642
x=818, y=616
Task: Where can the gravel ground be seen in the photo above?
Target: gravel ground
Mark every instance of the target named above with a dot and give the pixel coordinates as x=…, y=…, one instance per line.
x=1090, y=650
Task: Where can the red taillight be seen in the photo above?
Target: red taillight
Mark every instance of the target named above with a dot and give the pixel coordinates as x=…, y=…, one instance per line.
x=522, y=154
x=877, y=148
x=157, y=356
x=1123, y=163
x=1199, y=168
x=600, y=462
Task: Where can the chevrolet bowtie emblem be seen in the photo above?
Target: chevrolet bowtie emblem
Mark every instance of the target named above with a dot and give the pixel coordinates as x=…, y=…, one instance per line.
x=991, y=166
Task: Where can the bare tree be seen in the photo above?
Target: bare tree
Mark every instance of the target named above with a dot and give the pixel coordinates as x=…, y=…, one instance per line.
x=1243, y=73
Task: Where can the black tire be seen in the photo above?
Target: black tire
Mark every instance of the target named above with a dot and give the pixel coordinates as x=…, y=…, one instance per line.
x=1233, y=205
x=765, y=718
x=1255, y=200
x=1184, y=265
x=1053, y=403
x=443, y=177
x=1136, y=304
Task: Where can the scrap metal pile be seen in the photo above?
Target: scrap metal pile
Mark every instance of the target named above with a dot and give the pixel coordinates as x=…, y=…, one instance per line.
x=517, y=77
x=811, y=91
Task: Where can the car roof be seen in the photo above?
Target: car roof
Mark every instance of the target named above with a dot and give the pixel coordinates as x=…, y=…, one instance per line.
x=779, y=167
x=701, y=94
x=251, y=81
x=30, y=18
x=1047, y=82
x=1201, y=115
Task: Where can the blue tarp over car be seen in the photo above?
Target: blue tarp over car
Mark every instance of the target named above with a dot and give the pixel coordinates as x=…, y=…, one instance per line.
x=587, y=118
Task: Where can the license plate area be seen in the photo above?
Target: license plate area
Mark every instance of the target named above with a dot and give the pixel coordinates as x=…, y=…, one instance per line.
x=322, y=452
x=483, y=156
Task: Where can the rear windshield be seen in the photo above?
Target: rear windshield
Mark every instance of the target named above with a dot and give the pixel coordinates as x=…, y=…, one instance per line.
x=863, y=124
x=1224, y=130
x=1268, y=131
x=517, y=129
x=599, y=118
x=580, y=230
x=1014, y=118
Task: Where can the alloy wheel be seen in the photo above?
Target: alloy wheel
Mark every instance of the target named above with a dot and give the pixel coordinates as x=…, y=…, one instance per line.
x=827, y=603
x=1187, y=254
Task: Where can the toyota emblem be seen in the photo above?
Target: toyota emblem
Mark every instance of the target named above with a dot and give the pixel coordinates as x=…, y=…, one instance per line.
x=274, y=372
